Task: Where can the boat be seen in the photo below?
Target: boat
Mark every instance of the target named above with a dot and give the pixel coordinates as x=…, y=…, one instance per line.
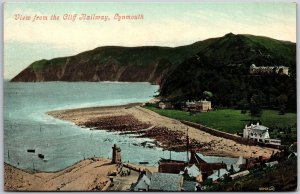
x=41, y=156
x=143, y=162
x=31, y=150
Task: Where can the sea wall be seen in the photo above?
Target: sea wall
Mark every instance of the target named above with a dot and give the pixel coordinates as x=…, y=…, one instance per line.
x=233, y=137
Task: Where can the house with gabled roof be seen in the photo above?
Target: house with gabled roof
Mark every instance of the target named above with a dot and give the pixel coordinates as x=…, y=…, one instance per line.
x=143, y=182
x=259, y=133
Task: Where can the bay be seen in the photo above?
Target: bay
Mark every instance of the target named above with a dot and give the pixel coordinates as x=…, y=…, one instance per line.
x=27, y=126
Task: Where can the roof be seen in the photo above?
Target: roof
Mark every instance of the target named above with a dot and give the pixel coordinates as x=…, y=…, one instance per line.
x=192, y=171
x=258, y=127
x=241, y=161
x=142, y=183
x=148, y=173
x=270, y=164
x=218, y=174
x=189, y=186
x=165, y=182
x=195, y=159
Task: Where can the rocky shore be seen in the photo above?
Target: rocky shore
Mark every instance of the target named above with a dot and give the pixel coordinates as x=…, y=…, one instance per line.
x=127, y=124
x=167, y=133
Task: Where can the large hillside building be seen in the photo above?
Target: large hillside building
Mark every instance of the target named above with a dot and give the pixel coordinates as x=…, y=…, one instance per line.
x=198, y=106
x=268, y=70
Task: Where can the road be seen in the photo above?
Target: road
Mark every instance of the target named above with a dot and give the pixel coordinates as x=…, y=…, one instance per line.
x=123, y=183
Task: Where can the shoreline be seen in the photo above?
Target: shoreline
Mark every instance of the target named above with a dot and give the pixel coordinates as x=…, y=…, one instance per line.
x=68, y=179
x=154, y=126
x=86, y=175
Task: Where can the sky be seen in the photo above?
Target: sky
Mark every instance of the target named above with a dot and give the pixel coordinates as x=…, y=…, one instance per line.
x=164, y=24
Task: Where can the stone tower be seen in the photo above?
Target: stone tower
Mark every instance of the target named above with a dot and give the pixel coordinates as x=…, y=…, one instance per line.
x=116, y=155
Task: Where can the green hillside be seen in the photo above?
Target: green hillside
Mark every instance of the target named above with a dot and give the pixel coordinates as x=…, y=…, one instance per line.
x=223, y=68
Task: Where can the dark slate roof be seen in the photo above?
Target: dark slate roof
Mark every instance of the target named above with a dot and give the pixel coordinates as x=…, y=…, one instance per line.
x=195, y=159
x=165, y=182
x=189, y=185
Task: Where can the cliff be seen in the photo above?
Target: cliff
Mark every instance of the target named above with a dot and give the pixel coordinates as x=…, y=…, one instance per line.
x=111, y=63
x=220, y=65
x=152, y=63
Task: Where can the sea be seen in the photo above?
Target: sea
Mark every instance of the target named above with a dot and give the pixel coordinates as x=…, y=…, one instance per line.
x=62, y=143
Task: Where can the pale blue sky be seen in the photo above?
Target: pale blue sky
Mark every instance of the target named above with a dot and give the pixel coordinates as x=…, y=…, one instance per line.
x=165, y=24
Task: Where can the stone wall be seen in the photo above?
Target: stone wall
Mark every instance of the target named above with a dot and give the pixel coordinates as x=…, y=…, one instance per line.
x=233, y=137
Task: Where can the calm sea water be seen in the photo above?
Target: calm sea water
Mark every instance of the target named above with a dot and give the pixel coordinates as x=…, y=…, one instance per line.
x=27, y=126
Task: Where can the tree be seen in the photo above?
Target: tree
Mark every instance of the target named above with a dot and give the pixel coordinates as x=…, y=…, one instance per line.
x=207, y=94
x=282, y=100
x=255, y=106
x=243, y=105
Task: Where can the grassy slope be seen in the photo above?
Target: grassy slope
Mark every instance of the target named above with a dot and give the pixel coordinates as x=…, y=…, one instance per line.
x=230, y=120
x=282, y=177
x=145, y=55
x=139, y=56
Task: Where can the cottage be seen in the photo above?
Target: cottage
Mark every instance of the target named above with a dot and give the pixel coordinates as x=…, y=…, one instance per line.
x=237, y=166
x=193, y=172
x=143, y=182
x=166, y=182
x=198, y=106
x=259, y=133
x=205, y=168
x=177, y=166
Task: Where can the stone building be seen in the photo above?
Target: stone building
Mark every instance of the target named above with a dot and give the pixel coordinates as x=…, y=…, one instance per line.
x=116, y=155
x=268, y=70
x=198, y=106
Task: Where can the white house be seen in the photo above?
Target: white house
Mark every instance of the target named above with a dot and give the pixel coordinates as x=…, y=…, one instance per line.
x=259, y=133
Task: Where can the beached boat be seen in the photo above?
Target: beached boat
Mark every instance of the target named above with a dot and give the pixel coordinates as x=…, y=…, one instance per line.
x=31, y=150
x=143, y=162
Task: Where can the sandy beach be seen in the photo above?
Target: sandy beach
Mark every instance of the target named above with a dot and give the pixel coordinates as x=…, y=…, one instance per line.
x=151, y=121
x=86, y=175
